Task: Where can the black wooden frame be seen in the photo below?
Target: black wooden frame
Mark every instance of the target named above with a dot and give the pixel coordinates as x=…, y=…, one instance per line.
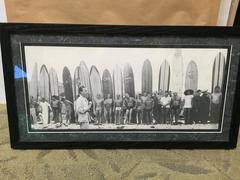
x=49, y=29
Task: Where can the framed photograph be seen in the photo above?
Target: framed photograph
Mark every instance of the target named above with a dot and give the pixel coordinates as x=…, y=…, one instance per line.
x=102, y=86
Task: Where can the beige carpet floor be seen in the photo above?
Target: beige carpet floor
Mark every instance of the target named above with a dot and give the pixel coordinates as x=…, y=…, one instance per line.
x=115, y=164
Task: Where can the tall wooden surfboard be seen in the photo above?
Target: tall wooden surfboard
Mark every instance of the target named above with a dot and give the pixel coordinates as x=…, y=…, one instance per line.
x=191, y=80
x=164, y=76
x=84, y=76
x=128, y=79
x=53, y=82
x=95, y=82
x=33, y=84
x=67, y=84
x=117, y=82
x=147, y=77
x=218, y=71
x=107, y=84
x=177, y=73
x=76, y=82
x=44, y=84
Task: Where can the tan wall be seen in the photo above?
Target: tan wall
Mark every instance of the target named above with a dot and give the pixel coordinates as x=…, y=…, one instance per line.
x=163, y=12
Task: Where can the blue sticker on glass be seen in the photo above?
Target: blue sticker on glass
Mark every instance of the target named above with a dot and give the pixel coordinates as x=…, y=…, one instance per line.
x=19, y=73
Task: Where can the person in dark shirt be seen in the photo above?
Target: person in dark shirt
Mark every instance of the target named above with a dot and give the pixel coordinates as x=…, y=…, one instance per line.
x=155, y=108
x=196, y=107
x=216, y=99
x=205, y=107
x=144, y=97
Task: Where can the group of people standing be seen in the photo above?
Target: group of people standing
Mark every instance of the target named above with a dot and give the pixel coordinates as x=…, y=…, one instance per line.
x=59, y=111
x=161, y=107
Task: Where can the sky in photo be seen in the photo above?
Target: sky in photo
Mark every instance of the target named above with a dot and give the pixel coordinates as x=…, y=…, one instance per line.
x=108, y=57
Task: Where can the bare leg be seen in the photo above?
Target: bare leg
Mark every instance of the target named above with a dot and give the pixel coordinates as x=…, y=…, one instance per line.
x=110, y=115
x=115, y=117
x=126, y=116
x=130, y=115
x=105, y=115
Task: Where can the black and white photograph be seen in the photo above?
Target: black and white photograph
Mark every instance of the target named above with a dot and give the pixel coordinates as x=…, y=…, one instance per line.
x=108, y=87
x=156, y=88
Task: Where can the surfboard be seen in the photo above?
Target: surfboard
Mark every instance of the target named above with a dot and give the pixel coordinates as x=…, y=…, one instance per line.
x=147, y=77
x=53, y=82
x=67, y=84
x=164, y=76
x=218, y=71
x=128, y=79
x=177, y=73
x=84, y=77
x=191, y=80
x=117, y=82
x=33, y=84
x=107, y=84
x=44, y=84
x=95, y=82
x=76, y=82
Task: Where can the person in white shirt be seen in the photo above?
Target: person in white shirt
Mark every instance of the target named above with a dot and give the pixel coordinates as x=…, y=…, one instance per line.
x=187, y=105
x=82, y=106
x=165, y=103
x=46, y=108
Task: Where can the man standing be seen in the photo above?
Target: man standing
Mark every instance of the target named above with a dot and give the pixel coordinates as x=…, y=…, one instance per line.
x=82, y=106
x=148, y=107
x=159, y=106
x=130, y=106
x=127, y=107
x=46, y=108
x=124, y=108
x=108, y=109
x=175, y=107
x=117, y=109
x=39, y=110
x=187, y=104
x=165, y=102
x=144, y=98
x=216, y=99
x=63, y=111
x=33, y=110
x=155, y=108
x=196, y=104
x=205, y=107
x=98, y=108
x=139, y=109
x=56, y=108
x=69, y=110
